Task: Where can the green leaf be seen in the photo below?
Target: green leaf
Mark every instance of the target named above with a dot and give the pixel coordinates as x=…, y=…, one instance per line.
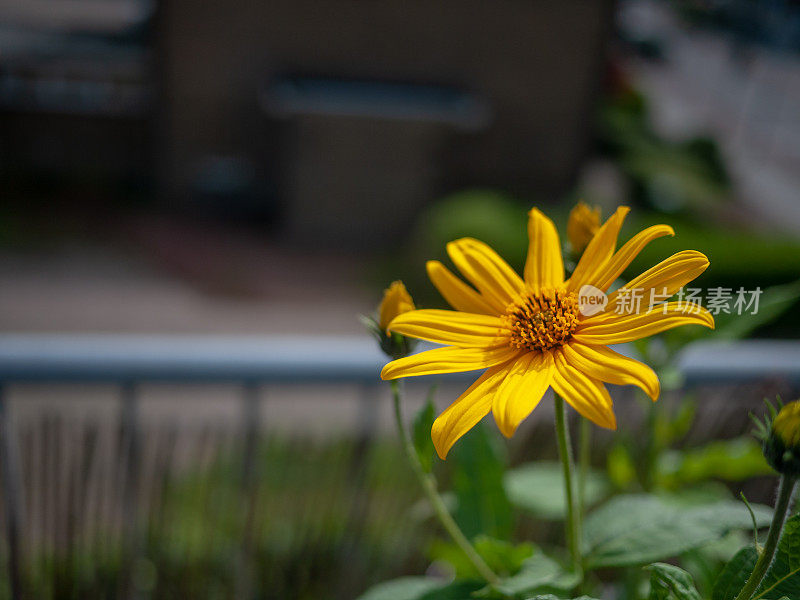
x=783, y=577
x=638, y=529
x=733, y=577
x=478, y=466
x=552, y=597
x=539, y=573
x=423, y=443
x=502, y=557
x=421, y=588
x=458, y=590
x=405, y=588
x=774, y=301
x=668, y=582
x=539, y=488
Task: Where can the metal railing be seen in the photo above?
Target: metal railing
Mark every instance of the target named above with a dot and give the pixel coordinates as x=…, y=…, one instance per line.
x=129, y=360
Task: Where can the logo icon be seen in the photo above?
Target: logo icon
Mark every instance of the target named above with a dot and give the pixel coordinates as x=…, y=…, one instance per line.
x=591, y=300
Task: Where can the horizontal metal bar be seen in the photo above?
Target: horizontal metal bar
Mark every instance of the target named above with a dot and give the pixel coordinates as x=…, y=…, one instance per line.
x=741, y=361
x=304, y=359
x=116, y=357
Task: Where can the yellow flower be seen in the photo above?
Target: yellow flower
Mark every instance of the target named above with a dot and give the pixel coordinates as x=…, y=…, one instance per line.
x=530, y=333
x=787, y=425
x=583, y=223
x=396, y=301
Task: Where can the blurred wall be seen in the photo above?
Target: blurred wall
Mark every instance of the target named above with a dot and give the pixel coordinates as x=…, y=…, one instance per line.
x=534, y=64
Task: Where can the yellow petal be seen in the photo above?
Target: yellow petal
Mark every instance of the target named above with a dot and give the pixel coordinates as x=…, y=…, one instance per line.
x=451, y=327
x=625, y=255
x=525, y=383
x=544, y=266
x=463, y=414
x=663, y=280
x=585, y=394
x=457, y=293
x=598, y=252
x=497, y=282
x=447, y=360
x=619, y=329
x=606, y=365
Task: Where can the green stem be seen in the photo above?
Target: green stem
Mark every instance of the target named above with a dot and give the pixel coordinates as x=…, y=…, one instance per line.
x=652, y=448
x=572, y=523
x=585, y=458
x=767, y=555
x=428, y=483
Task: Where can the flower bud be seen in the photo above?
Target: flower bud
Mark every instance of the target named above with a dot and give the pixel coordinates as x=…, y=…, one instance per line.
x=583, y=223
x=396, y=301
x=782, y=445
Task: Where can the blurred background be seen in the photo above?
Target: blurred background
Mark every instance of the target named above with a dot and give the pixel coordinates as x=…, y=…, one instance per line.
x=199, y=199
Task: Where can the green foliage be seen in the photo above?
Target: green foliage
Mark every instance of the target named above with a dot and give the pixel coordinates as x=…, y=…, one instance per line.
x=423, y=443
x=405, y=588
x=504, y=558
x=552, y=597
x=733, y=577
x=481, y=503
x=421, y=588
x=539, y=574
x=668, y=582
x=731, y=460
x=671, y=176
x=773, y=303
x=783, y=577
x=770, y=259
x=620, y=466
x=634, y=530
x=488, y=215
x=539, y=488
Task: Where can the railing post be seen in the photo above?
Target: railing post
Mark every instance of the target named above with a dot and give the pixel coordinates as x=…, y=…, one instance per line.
x=251, y=415
x=9, y=471
x=368, y=421
x=129, y=432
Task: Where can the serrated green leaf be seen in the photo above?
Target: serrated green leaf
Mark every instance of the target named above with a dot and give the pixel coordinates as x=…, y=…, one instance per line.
x=783, y=577
x=423, y=443
x=668, y=582
x=734, y=575
x=639, y=529
x=539, y=488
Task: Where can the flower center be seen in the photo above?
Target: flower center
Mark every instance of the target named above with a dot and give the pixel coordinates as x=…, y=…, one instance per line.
x=544, y=320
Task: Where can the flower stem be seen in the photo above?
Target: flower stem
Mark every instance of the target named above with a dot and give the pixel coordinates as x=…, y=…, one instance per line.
x=767, y=555
x=583, y=464
x=428, y=483
x=572, y=522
